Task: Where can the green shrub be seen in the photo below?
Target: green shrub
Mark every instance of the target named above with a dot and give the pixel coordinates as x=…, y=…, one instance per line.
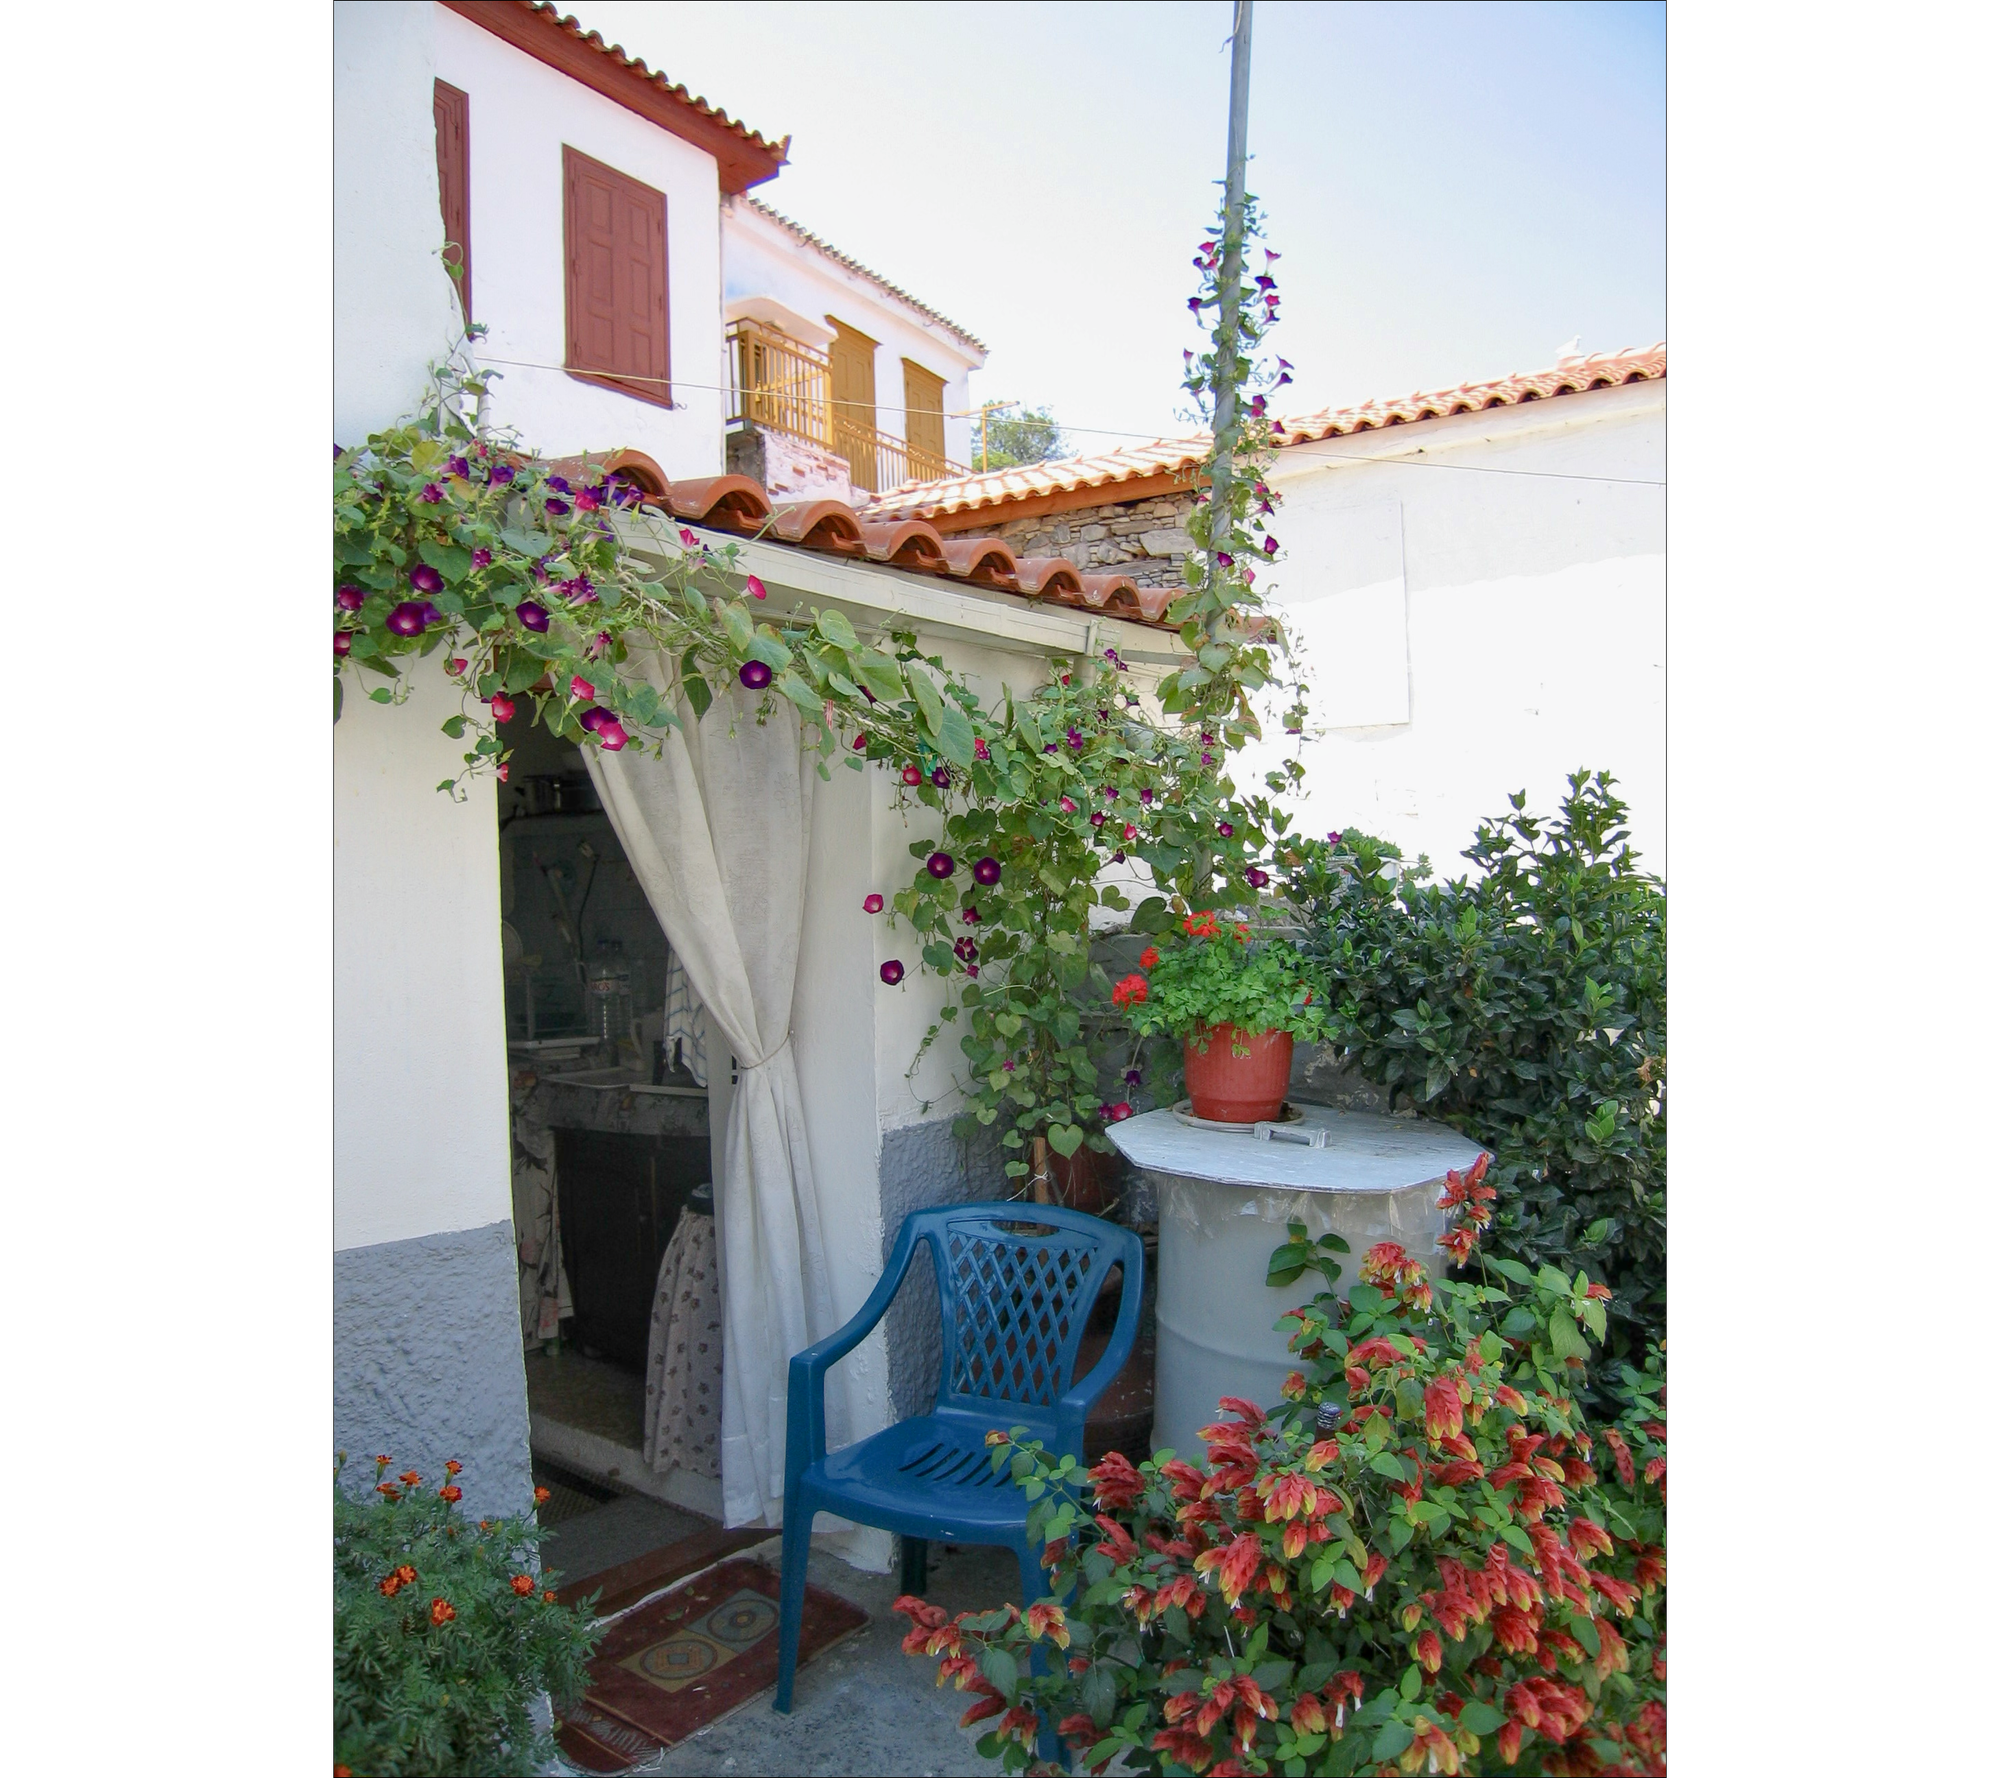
x=443, y=1635
x=1527, y=1008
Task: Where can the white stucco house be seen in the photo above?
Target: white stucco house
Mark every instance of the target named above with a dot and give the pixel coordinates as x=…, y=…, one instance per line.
x=1476, y=577
x=600, y=222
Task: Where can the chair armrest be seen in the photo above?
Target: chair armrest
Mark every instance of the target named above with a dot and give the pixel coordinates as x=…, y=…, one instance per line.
x=1124, y=1332
x=805, y=1395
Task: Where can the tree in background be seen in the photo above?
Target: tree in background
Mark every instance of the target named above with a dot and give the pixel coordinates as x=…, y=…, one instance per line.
x=1022, y=435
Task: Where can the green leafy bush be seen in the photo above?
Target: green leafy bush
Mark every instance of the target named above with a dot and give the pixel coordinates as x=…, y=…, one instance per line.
x=1414, y=1564
x=1527, y=1008
x=443, y=1635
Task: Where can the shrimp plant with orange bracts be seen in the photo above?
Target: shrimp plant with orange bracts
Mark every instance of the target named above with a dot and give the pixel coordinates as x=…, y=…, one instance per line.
x=1423, y=1559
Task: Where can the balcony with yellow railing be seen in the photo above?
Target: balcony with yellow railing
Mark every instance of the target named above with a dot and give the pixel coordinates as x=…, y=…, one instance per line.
x=785, y=385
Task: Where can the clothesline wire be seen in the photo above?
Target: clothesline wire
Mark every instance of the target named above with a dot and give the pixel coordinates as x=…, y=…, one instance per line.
x=1555, y=475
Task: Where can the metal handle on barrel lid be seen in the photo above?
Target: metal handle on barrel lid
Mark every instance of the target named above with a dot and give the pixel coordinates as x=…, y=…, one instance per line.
x=1305, y=1135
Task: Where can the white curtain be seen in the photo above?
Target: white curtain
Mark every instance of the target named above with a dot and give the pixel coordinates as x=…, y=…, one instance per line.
x=717, y=831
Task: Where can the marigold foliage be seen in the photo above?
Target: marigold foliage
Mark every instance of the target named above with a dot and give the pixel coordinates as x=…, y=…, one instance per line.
x=443, y=1637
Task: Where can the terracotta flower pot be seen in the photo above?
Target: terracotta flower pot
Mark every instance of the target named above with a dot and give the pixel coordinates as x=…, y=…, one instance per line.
x=1229, y=1088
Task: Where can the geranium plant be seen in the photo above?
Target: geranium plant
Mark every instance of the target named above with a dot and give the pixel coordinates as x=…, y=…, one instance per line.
x=1412, y=1564
x=1219, y=970
x=444, y=1633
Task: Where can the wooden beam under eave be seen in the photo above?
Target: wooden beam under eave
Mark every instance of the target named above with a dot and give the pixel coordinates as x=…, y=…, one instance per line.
x=1127, y=493
x=738, y=164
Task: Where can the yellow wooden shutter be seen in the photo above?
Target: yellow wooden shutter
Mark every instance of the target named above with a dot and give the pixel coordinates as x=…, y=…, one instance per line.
x=923, y=411
x=853, y=356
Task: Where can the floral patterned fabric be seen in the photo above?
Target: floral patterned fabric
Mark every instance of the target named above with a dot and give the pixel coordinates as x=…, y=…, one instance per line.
x=684, y=1355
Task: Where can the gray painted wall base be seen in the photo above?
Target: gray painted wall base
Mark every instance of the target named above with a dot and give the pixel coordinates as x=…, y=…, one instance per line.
x=427, y=1364
x=924, y=1166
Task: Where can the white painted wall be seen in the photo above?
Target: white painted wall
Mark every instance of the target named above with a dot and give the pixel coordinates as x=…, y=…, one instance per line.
x=394, y=309
x=521, y=114
x=759, y=258
x=419, y=1028
x=1524, y=615
x=420, y=1058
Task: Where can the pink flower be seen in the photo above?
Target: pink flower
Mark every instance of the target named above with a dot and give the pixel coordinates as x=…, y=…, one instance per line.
x=1120, y=1112
x=503, y=707
x=342, y=642
x=892, y=972
x=1068, y=807
x=689, y=538
x=872, y=904
x=980, y=750
x=581, y=688
x=754, y=587
x=860, y=743
x=611, y=735
x=349, y=598
x=1131, y=833
x=455, y=665
x=970, y=916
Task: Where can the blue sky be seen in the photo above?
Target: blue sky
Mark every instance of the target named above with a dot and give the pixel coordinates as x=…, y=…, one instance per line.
x=1457, y=189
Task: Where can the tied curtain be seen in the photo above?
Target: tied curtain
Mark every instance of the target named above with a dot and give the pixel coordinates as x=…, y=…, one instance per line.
x=717, y=831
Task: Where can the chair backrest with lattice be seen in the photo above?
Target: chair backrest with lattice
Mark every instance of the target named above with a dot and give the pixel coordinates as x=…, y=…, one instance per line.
x=1016, y=1285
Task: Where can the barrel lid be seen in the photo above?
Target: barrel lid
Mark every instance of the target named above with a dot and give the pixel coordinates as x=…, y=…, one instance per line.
x=1364, y=1152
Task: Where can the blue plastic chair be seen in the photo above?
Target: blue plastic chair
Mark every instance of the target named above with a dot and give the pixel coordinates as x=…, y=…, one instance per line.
x=1016, y=1286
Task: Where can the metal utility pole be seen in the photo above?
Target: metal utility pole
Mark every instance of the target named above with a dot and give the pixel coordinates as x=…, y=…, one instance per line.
x=1230, y=289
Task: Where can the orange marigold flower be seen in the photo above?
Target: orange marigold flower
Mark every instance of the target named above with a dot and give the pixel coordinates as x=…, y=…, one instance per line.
x=452, y=1466
x=389, y=1586
x=407, y=1575
x=442, y=1612
x=390, y=1489
x=384, y=1461
x=1149, y=956
x=409, y=1478
x=522, y=1584
x=541, y=1495
x=548, y=1598
x=451, y=1491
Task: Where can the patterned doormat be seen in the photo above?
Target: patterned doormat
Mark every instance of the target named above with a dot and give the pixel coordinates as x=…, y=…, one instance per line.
x=686, y=1659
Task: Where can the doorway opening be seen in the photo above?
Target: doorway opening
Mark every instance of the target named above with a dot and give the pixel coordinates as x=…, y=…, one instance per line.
x=618, y=1091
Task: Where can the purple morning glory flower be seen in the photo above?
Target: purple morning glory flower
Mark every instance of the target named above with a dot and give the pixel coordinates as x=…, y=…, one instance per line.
x=532, y=616
x=1207, y=740
x=1146, y=796
x=972, y=969
x=941, y=777
x=408, y=618
x=970, y=916
x=558, y=507
x=1225, y=558
x=892, y=972
x=940, y=865
x=432, y=493
x=1256, y=878
x=986, y=872
x=1225, y=829
x=598, y=646
x=349, y=598
x=1208, y=759
x=482, y=558
x=431, y=614
x=501, y=475
x=1050, y=748
x=557, y=483
x=1118, y=857
x=426, y=579
x=754, y=675
x=1097, y=818
x=1076, y=737
x=1134, y=1077
x=342, y=642
x=593, y=719
x=459, y=467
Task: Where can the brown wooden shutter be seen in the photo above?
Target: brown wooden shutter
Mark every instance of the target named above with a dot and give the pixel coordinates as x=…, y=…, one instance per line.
x=452, y=112
x=615, y=279
x=923, y=419
x=853, y=357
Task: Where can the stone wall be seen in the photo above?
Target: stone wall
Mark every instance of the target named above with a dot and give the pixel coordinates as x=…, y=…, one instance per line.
x=787, y=468
x=1146, y=539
